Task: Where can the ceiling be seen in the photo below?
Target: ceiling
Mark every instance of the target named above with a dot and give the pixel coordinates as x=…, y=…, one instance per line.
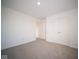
x=46, y=7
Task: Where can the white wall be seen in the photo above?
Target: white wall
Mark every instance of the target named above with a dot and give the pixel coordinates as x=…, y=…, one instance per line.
x=62, y=28
x=17, y=28
x=41, y=28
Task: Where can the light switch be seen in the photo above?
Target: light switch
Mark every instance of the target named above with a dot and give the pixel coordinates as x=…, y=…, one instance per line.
x=59, y=32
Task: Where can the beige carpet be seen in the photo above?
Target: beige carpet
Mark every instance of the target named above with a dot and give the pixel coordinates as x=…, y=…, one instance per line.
x=41, y=49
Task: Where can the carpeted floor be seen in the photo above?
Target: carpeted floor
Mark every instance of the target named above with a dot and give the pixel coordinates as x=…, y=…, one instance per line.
x=41, y=49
